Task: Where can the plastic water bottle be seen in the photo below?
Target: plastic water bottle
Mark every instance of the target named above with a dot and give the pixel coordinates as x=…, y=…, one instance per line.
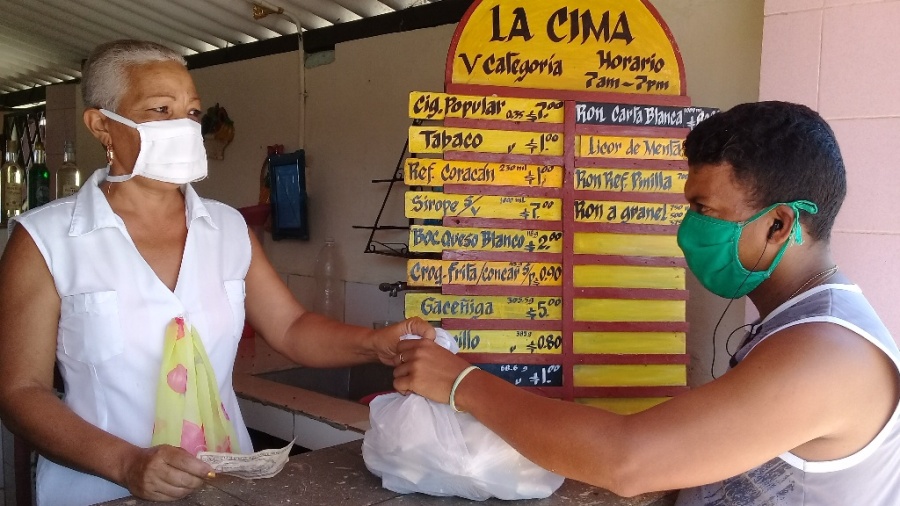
x=329, y=282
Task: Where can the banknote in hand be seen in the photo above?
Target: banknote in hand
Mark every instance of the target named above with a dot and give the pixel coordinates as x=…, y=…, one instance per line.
x=252, y=466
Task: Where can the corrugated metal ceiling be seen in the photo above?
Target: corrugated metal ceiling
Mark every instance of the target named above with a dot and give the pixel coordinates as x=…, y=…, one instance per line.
x=43, y=42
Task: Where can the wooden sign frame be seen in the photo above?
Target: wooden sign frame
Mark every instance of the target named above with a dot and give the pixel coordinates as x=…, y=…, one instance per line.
x=571, y=130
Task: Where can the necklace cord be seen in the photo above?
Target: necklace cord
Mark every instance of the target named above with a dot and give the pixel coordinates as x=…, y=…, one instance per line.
x=824, y=275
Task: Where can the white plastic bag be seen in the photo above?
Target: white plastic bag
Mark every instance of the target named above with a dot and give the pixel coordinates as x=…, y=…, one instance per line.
x=416, y=445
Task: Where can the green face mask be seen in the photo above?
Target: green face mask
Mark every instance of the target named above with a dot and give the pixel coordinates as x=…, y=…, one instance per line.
x=710, y=248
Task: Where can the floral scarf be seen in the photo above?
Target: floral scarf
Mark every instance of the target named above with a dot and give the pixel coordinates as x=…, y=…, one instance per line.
x=189, y=411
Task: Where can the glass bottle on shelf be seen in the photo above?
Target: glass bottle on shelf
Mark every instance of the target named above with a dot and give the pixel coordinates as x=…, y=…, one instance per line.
x=12, y=183
x=38, y=178
x=68, y=177
x=329, y=277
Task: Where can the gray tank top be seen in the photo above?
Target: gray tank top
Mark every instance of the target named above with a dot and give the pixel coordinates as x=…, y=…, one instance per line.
x=869, y=477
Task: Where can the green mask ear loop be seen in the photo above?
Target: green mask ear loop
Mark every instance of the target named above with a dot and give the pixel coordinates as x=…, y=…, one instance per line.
x=797, y=206
x=796, y=232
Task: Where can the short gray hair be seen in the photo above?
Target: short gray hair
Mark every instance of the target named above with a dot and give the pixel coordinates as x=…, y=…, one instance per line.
x=103, y=78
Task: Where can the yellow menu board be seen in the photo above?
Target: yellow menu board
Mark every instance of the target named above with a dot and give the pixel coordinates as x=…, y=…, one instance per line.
x=434, y=239
x=631, y=180
x=435, y=273
x=437, y=106
x=431, y=172
x=428, y=139
x=543, y=232
x=579, y=45
x=434, y=205
x=646, y=148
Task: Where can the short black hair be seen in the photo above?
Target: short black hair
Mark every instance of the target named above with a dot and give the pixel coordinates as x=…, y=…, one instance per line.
x=781, y=152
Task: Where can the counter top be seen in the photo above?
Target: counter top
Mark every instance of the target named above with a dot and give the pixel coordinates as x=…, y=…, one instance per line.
x=255, y=357
x=338, y=476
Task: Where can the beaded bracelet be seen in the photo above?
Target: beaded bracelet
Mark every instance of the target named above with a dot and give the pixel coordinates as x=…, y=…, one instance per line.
x=456, y=383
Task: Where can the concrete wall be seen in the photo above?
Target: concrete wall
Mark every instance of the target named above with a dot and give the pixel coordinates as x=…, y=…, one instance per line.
x=834, y=56
x=356, y=123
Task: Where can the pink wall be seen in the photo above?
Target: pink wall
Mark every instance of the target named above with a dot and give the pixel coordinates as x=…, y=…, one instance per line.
x=837, y=56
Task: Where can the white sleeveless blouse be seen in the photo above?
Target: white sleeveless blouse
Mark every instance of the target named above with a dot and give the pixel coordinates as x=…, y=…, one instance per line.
x=113, y=315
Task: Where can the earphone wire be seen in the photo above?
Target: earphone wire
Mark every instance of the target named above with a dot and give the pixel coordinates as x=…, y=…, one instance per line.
x=712, y=367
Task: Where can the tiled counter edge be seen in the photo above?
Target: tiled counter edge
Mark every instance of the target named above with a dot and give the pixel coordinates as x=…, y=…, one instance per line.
x=311, y=419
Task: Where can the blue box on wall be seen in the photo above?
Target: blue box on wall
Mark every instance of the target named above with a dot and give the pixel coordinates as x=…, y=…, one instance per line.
x=287, y=179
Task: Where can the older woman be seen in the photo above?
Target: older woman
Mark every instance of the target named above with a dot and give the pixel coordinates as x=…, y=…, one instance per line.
x=138, y=288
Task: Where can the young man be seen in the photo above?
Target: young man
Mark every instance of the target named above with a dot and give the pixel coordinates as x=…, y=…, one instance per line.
x=807, y=415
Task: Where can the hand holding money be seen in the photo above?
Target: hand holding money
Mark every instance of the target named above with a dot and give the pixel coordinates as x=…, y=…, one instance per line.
x=253, y=466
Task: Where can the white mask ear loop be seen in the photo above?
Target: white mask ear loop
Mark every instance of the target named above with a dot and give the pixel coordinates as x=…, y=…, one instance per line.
x=120, y=119
x=127, y=122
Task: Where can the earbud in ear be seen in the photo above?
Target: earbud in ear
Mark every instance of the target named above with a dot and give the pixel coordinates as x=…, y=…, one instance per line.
x=778, y=225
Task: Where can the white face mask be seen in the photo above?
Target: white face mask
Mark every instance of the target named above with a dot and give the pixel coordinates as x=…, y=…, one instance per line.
x=171, y=150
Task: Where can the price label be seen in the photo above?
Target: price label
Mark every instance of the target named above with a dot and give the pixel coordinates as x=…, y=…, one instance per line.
x=638, y=213
x=433, y=239
x=14, y=198
x=508, y=341
x=645, y=148
x=431, y=172
x=635, y=180
x=593, y=113
x=434, y=205
x=434, y=273
x=434, y=307
x=437, y=106
x=527, y=375
x=428, y=139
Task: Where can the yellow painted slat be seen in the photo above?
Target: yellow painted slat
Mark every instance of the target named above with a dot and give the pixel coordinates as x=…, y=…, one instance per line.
x=640, y=213
x=645, y=148
x=630, y=375
x=631, y=180
x=627, y=245
x=628, y=276
x=433, y=307
x=508, y=341
x=435, y=205
x=625, y=405
x=629, y=342
x=437, y=106
x=434, y=239
x=433, y=172
x=624, y=310
x=433, y=139
x=434, y=273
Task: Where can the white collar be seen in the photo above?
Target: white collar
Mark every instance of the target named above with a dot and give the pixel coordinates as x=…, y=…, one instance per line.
x=92, y=210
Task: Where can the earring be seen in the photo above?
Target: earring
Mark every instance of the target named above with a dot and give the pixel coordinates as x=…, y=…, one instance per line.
x=110, y=155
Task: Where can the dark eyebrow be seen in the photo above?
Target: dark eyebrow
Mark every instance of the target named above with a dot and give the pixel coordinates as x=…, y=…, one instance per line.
x=159, y=96
x=171, y=97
